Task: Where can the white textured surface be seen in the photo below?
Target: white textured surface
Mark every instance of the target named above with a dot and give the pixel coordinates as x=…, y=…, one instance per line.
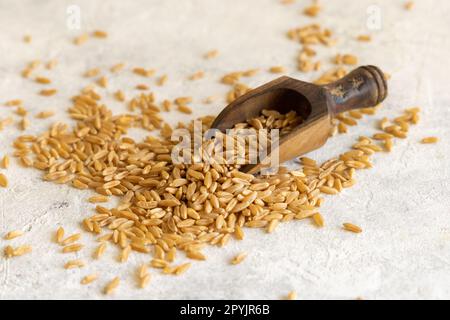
x=402, y=204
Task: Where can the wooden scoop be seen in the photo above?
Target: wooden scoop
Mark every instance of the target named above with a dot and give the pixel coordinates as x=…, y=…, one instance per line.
x=317, y=104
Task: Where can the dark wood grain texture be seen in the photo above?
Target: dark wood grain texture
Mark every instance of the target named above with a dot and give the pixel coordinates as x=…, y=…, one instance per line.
x=363, y=87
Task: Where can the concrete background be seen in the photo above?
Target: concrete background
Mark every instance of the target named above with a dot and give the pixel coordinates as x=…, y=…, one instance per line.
x=402, y=203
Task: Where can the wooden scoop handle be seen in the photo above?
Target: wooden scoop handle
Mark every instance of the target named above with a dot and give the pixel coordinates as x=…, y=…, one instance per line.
x=363, y=87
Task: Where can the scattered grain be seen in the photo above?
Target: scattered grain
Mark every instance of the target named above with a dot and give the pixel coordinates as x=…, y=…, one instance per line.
x=409, y=5
x=98, y=198
x=92, y=72
x=197, y=75
x=72, y=264
x=142, y=87
x=117, y=67
x=14, y=103
x=209, y=99
x=3, y=181
x=351, y=227
x=27, y=38
x=13, y=234
x=184, y=109
x=47, y=92
x=196, y=255
x=162, y=80
x=59, y=235
x=429, y=140
x=100, y=250
x=124, y=254
x=21, y=111
x=81, y=39
x=144, y=72
x=16, y=252
x=24, y=124
x=112, y=286
x=364, y=38
x=318, y=219
x=51, y=64
x=71, y=239
x=72, y=248
x=312, y=10
x=292, y=295
x=4, y=163
x=182, y=268
x=239, y=258
x=211, y=54
x=89, y=278
x=119, y=95
x=272, y=225
x=102, y=82
x=99, y=34
x=348, y=59
x=43, y=80
x=277, y=69
x=180, y=101
x=144, y=281
x=45, y=114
